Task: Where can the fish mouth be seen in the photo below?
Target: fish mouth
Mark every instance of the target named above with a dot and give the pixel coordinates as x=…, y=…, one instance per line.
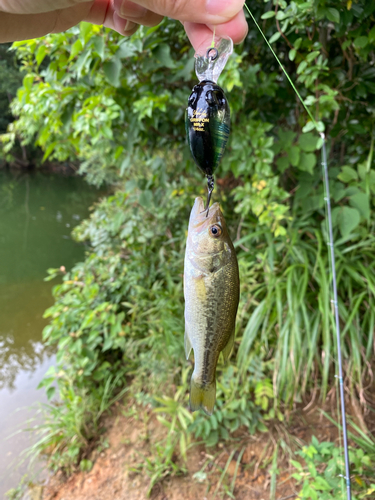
x=199, y=216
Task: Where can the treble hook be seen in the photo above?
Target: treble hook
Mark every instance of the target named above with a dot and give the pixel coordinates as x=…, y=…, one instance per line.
x=210, y=188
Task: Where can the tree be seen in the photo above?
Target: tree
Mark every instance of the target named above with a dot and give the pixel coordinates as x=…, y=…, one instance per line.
x=10, y=81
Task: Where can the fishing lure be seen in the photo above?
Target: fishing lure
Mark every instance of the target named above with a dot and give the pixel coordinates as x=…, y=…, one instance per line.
x=207, y=118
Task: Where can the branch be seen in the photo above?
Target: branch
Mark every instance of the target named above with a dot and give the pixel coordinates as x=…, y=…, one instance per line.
x=279, y=29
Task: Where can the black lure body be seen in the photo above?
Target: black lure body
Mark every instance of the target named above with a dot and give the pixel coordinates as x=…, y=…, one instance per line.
x=207, y=122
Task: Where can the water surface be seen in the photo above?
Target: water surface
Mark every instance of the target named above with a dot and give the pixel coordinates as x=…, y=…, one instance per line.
x=37, y=214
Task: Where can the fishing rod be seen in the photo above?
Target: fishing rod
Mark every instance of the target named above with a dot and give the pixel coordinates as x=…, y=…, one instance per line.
x=330, y=244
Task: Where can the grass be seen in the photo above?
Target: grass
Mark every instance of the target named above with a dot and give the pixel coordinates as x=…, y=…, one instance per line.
x=68, y=430
x=291, y=317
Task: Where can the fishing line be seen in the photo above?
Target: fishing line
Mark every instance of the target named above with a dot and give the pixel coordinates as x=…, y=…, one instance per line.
x=213, y=38
x=330, y=244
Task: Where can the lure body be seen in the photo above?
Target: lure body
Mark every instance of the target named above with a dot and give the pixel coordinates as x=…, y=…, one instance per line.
x=207, y=122
x=211, y=289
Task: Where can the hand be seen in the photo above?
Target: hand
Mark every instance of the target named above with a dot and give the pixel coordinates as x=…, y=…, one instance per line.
x=24, y=19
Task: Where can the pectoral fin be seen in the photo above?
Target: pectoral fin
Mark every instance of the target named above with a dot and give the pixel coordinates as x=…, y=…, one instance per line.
x=187, y=343
x=226, y=352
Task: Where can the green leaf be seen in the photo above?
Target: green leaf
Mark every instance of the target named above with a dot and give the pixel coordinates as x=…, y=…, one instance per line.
x=76, y=49
x=40, y=54
x=108, y=343
x=360, y=42
x=125, y=164
x=213, y=439
x=361, y=202
x=85, y=30
x=145, y=199
x=312, y=56
x=297, y=43
x=268, y=15
x=308, y=142
x=51, y=392
x=301, y=67
x=261, y=427
x=82, y=60
x=347, y=174
x=320, y=127
x=371, y=35
x=163, y=55
x=67, y=114
x=333, y=15
x=280, y=16
x=274, y=37
x=307, y=162
x=348, y=219
x=309, y=126
x=28, y=81
x=107, y=132
x=99, y=46
x=49, y=150
x=112, y=70
x=292, y=54
x=85, y=465
x=322, y=484
x=294, y=155
x=282, y=163
x=126, y=49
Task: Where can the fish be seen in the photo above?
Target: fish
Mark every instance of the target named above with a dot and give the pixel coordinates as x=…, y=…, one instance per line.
x=207, y=123
x=212, y=291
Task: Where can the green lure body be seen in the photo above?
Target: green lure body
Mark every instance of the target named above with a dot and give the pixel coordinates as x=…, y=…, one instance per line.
x=207, y=122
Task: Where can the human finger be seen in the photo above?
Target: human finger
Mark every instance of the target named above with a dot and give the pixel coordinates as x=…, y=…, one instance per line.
x=37, y=7
x=198, y=11
x=136, y=13
x=103, y=12
x=15, y=27
x=201, y=34
x=124, y=26
x=237, y=28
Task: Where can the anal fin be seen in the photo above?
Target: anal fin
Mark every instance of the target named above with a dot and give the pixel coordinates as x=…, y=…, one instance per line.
x=226, y=352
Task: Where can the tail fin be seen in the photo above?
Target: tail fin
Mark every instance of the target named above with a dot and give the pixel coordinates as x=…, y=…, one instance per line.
x=202, y=397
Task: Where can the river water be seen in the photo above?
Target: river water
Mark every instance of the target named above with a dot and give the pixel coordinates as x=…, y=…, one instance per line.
x=37, y=214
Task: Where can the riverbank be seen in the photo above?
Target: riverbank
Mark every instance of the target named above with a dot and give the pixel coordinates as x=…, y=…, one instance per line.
x=52, y=167
x=243, y=467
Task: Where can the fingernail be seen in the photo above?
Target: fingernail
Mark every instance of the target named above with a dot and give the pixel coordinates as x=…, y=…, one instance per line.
x=131, y=9
x=227, y=8
x=129, y=26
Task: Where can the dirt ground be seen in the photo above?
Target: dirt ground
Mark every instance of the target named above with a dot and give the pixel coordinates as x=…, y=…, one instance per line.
x=117, y=472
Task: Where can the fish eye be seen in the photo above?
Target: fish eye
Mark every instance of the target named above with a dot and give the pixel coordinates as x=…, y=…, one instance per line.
x=215, y=231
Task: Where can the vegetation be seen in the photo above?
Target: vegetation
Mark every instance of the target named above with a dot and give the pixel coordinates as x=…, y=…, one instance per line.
x=321, y=476
x=10, y=80
x=118, y=106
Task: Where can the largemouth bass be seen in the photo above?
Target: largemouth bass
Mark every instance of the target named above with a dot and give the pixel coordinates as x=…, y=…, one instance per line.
x=212, y=290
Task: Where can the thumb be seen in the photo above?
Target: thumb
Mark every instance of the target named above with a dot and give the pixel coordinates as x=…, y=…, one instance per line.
x=37, y=7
